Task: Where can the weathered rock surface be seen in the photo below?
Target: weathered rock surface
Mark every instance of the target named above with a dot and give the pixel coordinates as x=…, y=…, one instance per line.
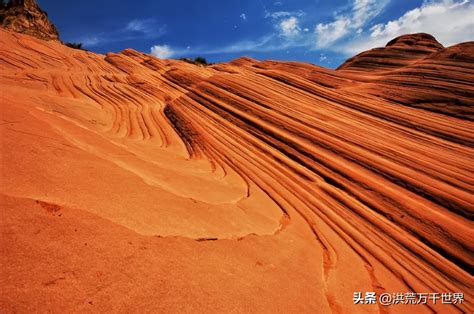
x=132, y=183
x=26, y=17
x=399, y=52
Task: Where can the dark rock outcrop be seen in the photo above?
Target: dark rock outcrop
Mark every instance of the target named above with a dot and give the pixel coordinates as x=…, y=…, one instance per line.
x=25, y=16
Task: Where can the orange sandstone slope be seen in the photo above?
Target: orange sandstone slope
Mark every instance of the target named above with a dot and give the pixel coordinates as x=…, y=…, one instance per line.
x=131, y=183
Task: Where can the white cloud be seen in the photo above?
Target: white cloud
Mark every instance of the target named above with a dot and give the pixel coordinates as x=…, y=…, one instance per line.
x=449, y=21
x=133, y=30
x=289, y=27
x=286, y=22
x=361, y=12
x=269, y=42
x=281, y=14
x=365, y=10
x=136, y=25
x=331, y=32
x=243, y=16
x=162, y=51
x=262, y=44
x=90, y=41
x=148, y=28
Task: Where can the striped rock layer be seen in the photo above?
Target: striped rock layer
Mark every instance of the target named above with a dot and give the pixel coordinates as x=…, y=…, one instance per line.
x=131, y=183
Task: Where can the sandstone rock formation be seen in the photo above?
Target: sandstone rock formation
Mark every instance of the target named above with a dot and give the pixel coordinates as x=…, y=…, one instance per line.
x=25, y=16
x=131, y=183
x=399, y=52
x=416, y=71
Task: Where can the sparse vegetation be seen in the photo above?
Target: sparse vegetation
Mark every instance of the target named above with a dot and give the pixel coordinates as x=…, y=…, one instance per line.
x=4, y=4
x=75, y=45
x=200, y=60
x=197, y=61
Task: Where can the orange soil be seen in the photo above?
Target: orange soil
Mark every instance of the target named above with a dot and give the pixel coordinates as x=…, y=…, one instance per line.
x=131, y=183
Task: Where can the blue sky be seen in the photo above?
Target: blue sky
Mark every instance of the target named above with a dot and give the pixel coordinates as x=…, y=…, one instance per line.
x=324, y=32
